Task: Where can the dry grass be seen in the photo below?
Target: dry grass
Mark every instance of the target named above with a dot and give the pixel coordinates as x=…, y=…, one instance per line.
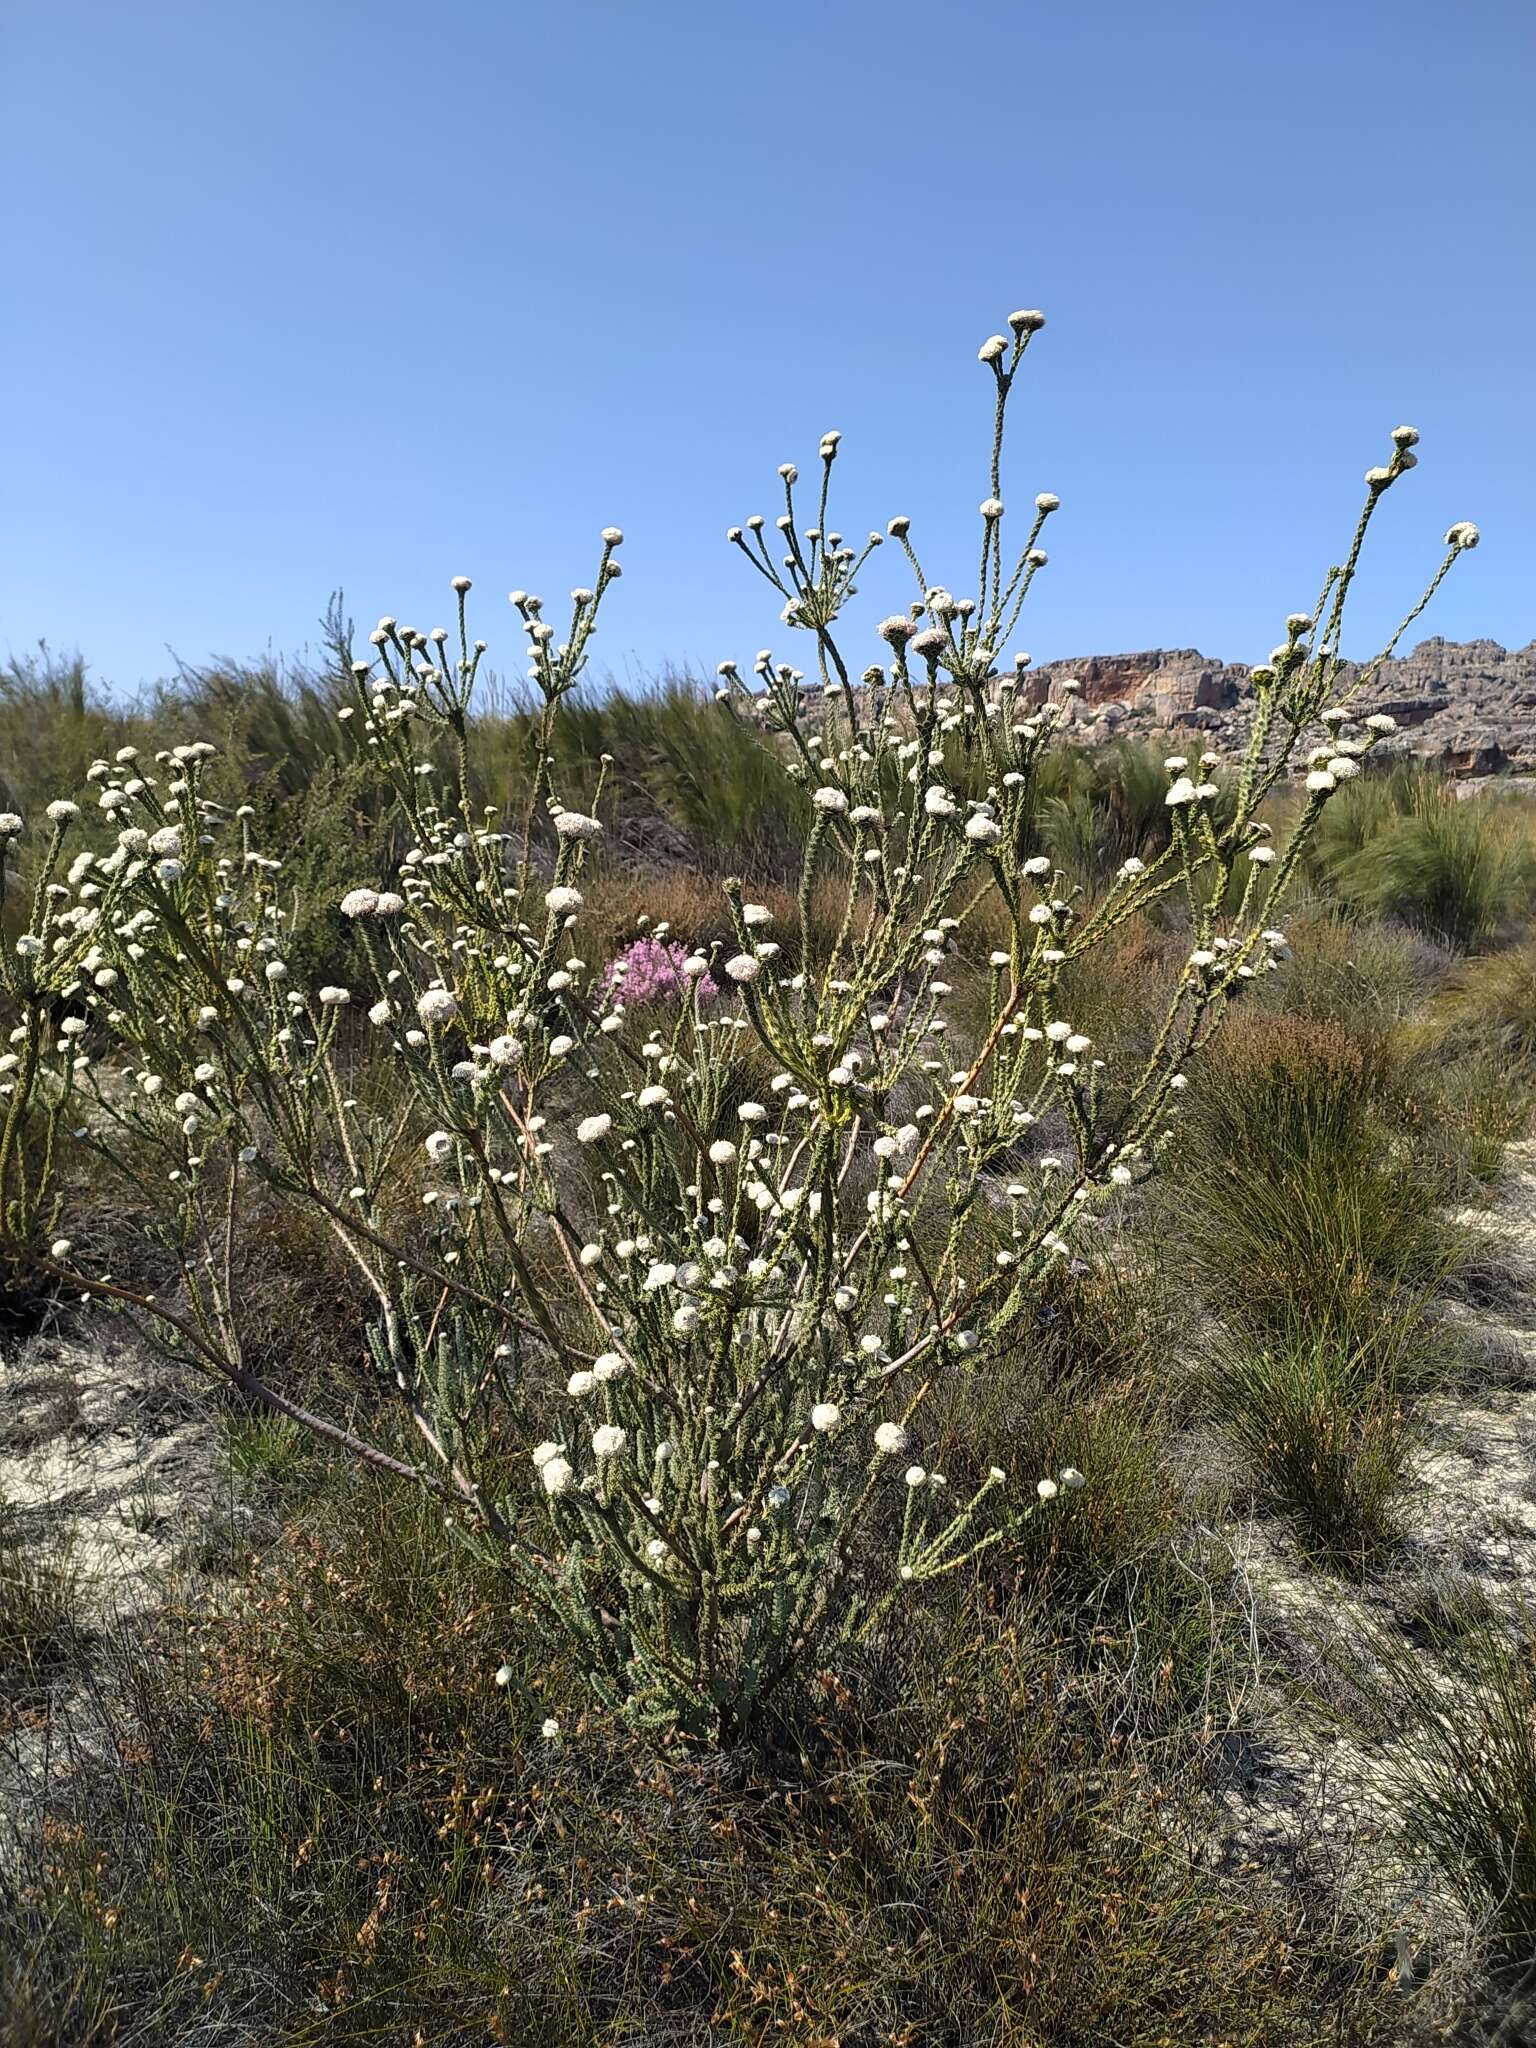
x=327, y=1823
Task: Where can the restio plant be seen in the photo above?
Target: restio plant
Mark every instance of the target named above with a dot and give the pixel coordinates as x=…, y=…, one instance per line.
x=1326, y=1434
x=663, y=1291
x=1459, y=872
x=1464, y=1786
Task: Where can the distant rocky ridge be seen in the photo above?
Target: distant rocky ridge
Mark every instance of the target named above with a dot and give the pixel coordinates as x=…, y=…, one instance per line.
x=1469, y=706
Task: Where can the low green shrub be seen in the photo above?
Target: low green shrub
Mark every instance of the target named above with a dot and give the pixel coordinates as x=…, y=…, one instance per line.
x=1099, y=807
x=1367, y=980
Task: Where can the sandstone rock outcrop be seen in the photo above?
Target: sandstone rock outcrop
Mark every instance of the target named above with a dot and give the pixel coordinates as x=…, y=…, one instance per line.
x=1467, y=706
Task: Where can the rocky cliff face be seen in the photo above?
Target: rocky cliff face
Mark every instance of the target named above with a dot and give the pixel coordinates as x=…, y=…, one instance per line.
x=1468, y=706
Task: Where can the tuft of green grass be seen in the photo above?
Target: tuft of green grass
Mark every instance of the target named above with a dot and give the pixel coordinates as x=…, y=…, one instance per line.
x=1290, y=1201
x=1465, y=1783
x=1461, y=1108
x=1324, y=1429
x=1492, y=1003
x=39, y=1634
x=1405, y=846
x=1119, y=1575
x=265, y=1449
x=1100, y=806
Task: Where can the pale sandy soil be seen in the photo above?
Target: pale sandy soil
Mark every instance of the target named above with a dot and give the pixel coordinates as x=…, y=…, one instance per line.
x=108, y=1462
x=104, y=1444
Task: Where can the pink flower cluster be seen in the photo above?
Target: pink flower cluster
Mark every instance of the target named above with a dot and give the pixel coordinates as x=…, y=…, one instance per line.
x=650, y=969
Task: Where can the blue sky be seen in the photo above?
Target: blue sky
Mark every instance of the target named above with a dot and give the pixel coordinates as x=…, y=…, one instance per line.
x=328, y=294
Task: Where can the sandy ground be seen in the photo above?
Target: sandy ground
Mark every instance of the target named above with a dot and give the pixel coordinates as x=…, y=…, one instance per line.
x=108, y=1463
x=103, y=1443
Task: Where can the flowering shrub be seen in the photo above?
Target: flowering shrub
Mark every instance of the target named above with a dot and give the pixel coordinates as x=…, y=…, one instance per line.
x=652, y=968
x=707, y=1269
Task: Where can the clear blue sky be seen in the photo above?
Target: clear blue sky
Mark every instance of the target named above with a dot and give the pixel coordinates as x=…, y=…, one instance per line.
x=300, y=295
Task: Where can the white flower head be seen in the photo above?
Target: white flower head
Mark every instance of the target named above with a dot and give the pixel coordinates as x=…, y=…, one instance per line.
x=591, y=1128
x=437, y=1008
x=577, y=825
